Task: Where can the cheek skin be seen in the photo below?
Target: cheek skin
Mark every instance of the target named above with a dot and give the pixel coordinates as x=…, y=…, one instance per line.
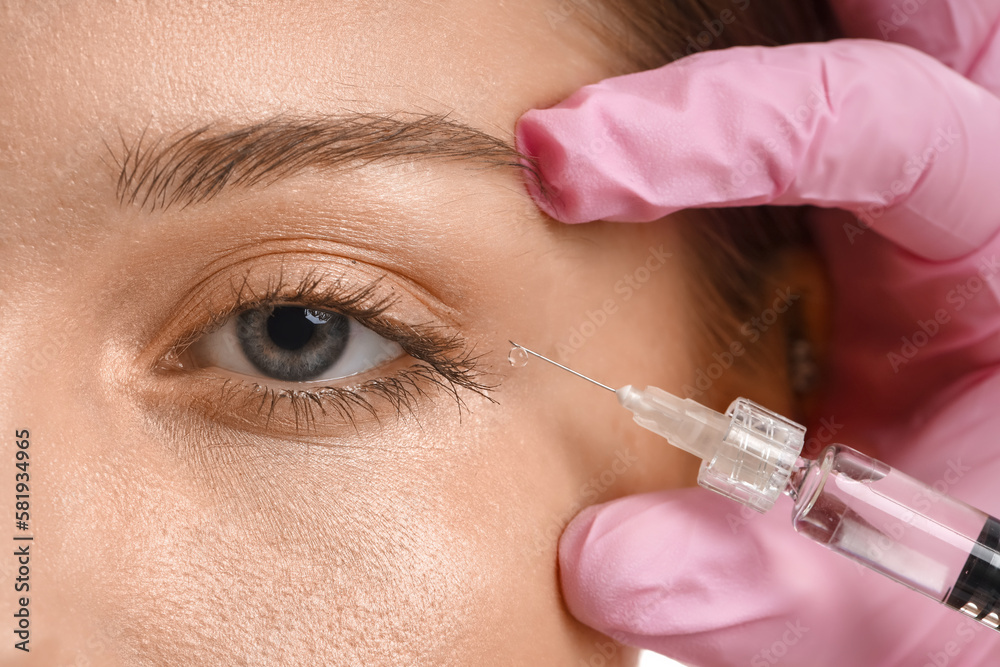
x=615, y=310
x=431, y=541
x=441, y=535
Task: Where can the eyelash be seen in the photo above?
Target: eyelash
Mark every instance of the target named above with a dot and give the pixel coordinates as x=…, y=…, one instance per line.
x=443, y=361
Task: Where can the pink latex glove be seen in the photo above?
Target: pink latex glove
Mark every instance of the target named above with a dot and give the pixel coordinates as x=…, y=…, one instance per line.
x=910, y=146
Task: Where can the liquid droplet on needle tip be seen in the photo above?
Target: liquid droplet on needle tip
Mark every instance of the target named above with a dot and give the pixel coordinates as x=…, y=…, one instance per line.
x=517, y=356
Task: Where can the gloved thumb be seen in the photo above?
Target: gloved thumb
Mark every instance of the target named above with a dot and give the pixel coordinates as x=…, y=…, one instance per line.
x=687, y=574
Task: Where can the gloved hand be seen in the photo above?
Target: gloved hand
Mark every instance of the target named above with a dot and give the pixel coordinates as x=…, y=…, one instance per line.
x=911, y=147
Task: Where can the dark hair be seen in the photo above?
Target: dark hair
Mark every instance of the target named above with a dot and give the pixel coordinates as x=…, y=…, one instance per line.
x=730, y=250
x=651, y=33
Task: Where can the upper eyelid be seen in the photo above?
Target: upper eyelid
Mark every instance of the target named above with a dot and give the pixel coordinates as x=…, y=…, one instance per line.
x=348, y=302
x=278, y=249
x=360, y=299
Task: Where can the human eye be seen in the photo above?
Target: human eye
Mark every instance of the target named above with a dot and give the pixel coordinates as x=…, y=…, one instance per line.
x=303, y=353
x=293, y=343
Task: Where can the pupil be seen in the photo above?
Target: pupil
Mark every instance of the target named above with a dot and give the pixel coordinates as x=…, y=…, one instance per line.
x=292, y=343
x=289, y=329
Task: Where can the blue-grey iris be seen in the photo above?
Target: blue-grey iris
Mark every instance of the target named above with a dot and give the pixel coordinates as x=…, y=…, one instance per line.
x=292, y=343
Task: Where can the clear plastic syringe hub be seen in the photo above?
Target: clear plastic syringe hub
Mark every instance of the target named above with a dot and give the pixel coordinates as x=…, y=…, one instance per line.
x=747, y=454
x=848, y=502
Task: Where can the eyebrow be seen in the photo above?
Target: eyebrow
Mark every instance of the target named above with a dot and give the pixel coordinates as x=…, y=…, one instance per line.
x=194, y=166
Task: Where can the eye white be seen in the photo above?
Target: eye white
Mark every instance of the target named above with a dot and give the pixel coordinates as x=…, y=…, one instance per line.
x=364, y=351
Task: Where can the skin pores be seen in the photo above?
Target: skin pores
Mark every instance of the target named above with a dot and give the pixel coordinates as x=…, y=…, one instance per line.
x=172, y=528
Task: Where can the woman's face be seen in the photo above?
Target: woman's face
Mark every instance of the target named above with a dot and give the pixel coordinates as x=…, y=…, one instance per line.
x=188, y=507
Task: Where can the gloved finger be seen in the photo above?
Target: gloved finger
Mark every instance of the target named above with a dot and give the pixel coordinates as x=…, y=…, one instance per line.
x=903, y=328
x=689, y=576
x=879, y=129
x=684, y=573
x=962, y=34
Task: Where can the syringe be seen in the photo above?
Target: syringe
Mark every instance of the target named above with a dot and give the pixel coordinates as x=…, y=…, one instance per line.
x=846, y=501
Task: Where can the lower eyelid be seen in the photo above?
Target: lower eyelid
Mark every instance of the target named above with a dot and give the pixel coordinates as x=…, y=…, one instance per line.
x=331, y=409
x=319, y=407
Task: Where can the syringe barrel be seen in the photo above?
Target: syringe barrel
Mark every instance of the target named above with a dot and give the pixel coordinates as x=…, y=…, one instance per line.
x=902, y=528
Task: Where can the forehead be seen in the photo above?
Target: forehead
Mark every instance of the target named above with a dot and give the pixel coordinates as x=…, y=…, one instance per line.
x=91, y=64
x=84, y=75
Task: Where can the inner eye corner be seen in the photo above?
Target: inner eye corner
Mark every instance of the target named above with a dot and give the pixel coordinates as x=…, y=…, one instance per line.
x=296, y=355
